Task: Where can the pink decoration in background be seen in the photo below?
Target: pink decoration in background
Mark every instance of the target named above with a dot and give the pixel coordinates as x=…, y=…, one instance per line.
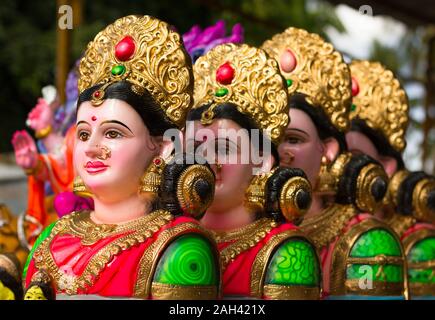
x=67, y=202
x=198, y=42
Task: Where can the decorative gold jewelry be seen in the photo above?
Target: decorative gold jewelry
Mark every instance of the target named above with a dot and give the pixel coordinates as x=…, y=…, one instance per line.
x=369, y=175
x=246, y=77
x=243, y=238
x=314, y=68
x=326, y=182
x=329, y=175
x=80, y=189
x=380, y=101
x=255, y=194
x=190, y=201
x=163, y=291
x=288, y=199
x=80, y=225
x=151, y=179
x=325, y=227
x=105, y=153
x=394, y=185
x=43, y=133
x=147, y=53
x=420, y=195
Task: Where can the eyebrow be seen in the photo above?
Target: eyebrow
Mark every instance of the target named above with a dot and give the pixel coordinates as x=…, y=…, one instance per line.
x=295, y=129
x=117, y=122
x=80, y=122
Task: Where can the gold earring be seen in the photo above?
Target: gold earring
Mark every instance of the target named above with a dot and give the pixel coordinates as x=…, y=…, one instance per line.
x=325, y=181
x=105, y=153
x=151, y=179
x=80, y=189
x=255, y=194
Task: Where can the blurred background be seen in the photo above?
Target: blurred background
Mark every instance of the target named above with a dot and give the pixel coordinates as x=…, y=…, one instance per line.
x=35, y=52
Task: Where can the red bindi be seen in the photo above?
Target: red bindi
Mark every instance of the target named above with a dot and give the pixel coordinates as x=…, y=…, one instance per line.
x=94, y=118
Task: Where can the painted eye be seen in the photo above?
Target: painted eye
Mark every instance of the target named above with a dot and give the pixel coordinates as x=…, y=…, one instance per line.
x=293, y=140
x=83, y=136
x=112, y=134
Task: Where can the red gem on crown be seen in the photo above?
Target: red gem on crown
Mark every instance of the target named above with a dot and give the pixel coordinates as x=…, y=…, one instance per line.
x=287, y=61
x=355, y=87
x=124, y=49
x=225, y=74
x=157, y=161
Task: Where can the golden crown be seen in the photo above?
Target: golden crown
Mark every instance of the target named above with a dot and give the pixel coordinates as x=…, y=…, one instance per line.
x=147, y=53
x=380, y=101
x=248, y=78
x=313, y=67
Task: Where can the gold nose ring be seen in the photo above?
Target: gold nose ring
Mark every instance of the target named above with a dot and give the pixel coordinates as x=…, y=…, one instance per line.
x=105, y=153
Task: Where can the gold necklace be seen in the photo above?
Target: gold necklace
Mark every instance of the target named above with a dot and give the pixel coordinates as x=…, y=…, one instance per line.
x=325, y=227
x=245, y=238
x=77, y=224
x=400, y=223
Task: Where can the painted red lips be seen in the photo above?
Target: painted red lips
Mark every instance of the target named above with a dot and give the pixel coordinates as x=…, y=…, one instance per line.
x=95, y=166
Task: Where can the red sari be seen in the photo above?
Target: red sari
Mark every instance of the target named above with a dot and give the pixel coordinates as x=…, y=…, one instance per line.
x=241, y=274
x=115, y=262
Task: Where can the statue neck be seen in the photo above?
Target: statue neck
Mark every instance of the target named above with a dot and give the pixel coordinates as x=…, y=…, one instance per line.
x=317, y=206
x=120, y=212
x=232, y=218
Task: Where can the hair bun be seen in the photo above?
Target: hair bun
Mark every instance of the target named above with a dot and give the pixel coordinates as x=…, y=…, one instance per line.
x=288, y=194
x=187, y=186
x=363, y=183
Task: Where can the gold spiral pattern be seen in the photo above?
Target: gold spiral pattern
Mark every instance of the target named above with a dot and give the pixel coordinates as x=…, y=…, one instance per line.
x=160, y=64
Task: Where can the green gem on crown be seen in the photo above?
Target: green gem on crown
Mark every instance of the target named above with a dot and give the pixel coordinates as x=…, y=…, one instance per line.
x=221, y=92
x=118, y=70
x=289, y=82
x=353, y=107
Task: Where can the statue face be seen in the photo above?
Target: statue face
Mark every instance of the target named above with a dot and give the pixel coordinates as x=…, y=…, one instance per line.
x=359, y=143
x=112, y=149
x=232, y=176
x=302, y=147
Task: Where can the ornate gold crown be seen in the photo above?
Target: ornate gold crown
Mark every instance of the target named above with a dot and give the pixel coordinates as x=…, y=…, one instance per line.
x=380, y=101
x=147, y=53
x=314, y=68
x=247, y=77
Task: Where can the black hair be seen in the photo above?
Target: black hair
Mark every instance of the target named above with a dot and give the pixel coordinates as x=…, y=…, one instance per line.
x=274, y=186
x=145, y=105
x=347, y=186
x=324, y=127
x=168, y=199
x=10, y=282
x=229, y=111
x=381, y=143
